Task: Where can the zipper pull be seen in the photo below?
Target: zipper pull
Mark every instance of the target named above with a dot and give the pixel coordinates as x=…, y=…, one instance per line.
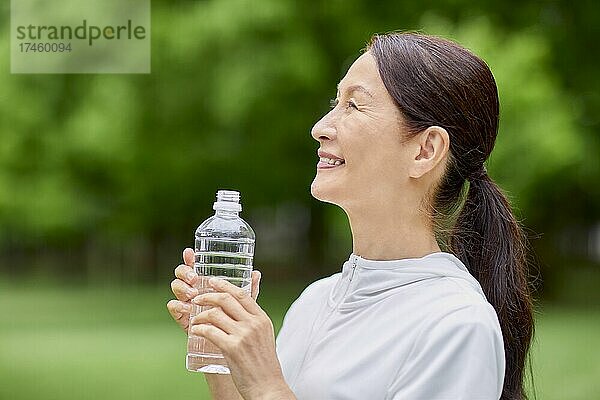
x=353, y=269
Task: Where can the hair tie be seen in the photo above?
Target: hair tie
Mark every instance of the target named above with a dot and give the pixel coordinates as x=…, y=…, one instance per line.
x=478, y=174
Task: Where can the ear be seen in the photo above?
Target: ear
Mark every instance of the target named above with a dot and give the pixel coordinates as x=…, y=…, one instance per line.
x=431, y=146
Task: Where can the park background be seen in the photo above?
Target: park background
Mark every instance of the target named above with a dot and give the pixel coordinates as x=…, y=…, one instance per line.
x=104, y=178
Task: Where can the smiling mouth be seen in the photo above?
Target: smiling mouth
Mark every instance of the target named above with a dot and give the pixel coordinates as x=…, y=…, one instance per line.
x=328, y=163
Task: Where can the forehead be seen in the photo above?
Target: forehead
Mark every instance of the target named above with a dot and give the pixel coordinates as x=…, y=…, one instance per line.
x=363, y=72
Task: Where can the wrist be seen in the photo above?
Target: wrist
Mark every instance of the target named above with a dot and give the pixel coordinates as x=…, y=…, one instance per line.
x=281, y=393
x=275, y=391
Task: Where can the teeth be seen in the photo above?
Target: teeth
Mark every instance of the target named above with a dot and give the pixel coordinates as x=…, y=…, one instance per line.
x=331, y=161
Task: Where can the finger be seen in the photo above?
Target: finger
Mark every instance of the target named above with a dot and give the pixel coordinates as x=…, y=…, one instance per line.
x=255, y=284
x=188, y=257
x=180, y=312
x=213, y=334
x=216, y=317
x=186, y=274
x=179, y=309
x=227, y=303
x=242, y=296
x=183, y=291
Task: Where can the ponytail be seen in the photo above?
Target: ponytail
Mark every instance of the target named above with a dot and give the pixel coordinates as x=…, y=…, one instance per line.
x=436, y=82
x=490, y=242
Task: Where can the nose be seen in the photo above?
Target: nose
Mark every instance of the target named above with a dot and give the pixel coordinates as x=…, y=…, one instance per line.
x=323, y=130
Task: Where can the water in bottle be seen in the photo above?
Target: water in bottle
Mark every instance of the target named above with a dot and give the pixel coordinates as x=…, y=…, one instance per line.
x=224, y=248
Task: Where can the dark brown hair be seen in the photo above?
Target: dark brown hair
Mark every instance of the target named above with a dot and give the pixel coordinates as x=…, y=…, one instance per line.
x=436, y=82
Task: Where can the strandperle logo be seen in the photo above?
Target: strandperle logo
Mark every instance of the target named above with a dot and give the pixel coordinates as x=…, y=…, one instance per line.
x=85, y=31
x=80, y=37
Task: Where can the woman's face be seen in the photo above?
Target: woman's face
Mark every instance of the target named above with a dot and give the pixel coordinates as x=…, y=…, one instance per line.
x=362, y=134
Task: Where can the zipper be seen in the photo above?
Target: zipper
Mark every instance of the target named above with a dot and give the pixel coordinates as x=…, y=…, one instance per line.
x=347, y=286
x=324, y=321
x=352, y=274
x=345, y=291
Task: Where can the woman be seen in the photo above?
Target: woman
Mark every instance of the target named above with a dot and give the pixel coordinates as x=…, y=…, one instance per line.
x=414, y=119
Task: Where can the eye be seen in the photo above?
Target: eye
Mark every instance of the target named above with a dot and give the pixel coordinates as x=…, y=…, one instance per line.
x=352, y=104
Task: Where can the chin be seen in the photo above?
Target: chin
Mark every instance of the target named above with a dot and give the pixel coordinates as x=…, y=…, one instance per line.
x=327, y=192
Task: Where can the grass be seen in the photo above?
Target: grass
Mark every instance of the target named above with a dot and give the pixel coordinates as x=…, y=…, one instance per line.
x=78, y=343
x=566, y=353
x=81, y=343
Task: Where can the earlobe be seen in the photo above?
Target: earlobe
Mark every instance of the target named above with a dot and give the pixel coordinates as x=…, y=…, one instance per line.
x=433, y=144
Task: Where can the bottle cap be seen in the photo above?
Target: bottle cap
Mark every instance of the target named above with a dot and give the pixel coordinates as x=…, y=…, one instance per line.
x=228, y=200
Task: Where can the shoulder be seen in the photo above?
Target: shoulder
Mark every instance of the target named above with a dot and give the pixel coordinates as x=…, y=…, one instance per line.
x=458, y=295
x=453, y=309
x=461, y=350
x=458, y=305
x=470, y=334
x=479, y=315
x=473, y=325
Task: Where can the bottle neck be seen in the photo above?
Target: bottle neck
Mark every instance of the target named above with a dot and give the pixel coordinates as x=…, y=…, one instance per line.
x=226, y=213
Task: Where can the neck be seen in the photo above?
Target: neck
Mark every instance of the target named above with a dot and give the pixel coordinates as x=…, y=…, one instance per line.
x=390, y=234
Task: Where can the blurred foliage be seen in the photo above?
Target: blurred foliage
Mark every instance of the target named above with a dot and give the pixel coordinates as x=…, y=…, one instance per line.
x=110, y=174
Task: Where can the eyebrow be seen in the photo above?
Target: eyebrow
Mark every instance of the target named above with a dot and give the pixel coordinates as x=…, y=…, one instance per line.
x=353, y=88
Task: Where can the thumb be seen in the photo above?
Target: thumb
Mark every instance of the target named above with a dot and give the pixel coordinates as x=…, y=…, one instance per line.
x=188, y=257
x=255, y=288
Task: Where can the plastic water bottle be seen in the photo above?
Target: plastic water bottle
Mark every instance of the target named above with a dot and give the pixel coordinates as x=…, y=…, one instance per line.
x=224, y=247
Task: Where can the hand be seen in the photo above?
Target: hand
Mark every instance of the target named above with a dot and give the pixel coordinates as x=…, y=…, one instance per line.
x=185, y=285
x=244, y=333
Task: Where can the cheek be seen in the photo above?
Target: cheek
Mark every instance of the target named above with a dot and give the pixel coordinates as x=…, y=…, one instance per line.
x=372, y=145
x=382, y=164
x=374, y=157
x=358, y=139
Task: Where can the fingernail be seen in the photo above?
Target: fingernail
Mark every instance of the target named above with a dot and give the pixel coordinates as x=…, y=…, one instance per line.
x=185, y=308
x=191, y=276
x=197, y=300
x=214, y=281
